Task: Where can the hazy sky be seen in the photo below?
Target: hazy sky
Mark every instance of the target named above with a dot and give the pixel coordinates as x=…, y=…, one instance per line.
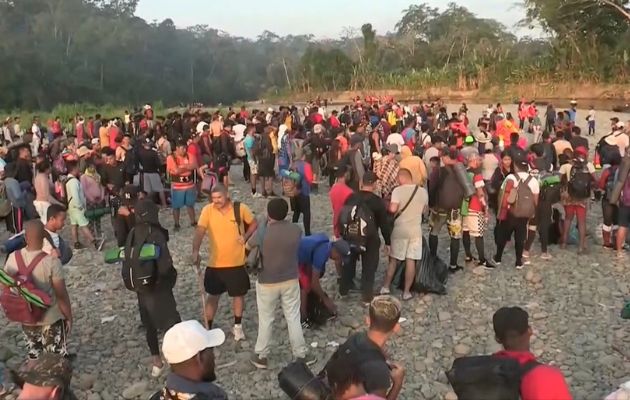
x=249, y=18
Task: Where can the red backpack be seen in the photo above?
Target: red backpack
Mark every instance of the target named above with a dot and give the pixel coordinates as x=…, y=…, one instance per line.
x=22, y=301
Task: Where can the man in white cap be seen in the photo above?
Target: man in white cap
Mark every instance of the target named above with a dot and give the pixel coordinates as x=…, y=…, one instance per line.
x=188, y=348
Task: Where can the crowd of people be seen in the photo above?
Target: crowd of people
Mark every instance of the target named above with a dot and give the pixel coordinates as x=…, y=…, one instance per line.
x=390, y=168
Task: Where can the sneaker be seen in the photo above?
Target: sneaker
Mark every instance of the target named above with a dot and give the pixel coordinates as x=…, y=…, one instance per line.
x=177, y=228
x=306, y=324
x=520, y=266
x=496, y=262
x=384, y=291
x=487, y=264
x=257, y=195
x=526, y=261
x=455, y=268
x=546, y=256
x=238, y=332
x=259, y=362
x=525, y=254
x=470, y=259
x=79, y=246
x=273, y=194
x=309, y=359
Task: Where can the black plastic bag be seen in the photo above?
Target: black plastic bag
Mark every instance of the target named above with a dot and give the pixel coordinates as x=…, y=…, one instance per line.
x=298, y=382
x=431, y=273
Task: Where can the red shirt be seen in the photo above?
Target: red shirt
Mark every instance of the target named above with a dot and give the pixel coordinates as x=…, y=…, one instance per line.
x=90, y=128
x=541, y=383
x=338, y=194
x=194, y=151
x=79, y=131
x=56, y=128
x=317, y=118
x=475, y=203
x=113, y=134
x=334, y=122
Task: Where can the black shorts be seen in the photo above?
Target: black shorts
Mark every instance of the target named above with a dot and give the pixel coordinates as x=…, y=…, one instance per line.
x=624, y=216
x=233, y=280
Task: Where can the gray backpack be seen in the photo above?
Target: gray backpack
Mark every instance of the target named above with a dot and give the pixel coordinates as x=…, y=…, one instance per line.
x=521, y=200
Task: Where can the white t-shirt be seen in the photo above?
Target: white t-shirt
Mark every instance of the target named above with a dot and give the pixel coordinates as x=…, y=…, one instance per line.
x=591, y=115
x=239, y=132
x=397, y=139
x=428, y=155
x=47, y=248
x=522, y=176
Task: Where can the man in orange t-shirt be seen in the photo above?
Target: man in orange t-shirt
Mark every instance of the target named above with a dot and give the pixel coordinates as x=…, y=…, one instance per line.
x=180, y=166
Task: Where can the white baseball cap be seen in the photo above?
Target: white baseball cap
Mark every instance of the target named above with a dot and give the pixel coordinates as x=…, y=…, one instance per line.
x=187, y=339
x=202, y=126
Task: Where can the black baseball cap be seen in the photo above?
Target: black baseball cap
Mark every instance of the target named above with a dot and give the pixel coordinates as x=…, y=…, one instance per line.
x=510, y=322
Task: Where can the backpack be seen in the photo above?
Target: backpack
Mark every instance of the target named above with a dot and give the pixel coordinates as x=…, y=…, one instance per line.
x=488, y=377
x=61, y=189
x=18, y=242
x=59, y=165
x=624, y=199
x=257, y=147
x=266, y=148
x=20, y=299
x=131, y=162
x=357, y=223
x=5, y=203
x=580, y=182
x=611, y=180
x=550, y=188
x=521, y=199
x=450, y=192
x=138, y=276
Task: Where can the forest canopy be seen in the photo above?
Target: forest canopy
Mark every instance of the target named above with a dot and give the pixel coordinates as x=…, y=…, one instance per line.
x=98, y=51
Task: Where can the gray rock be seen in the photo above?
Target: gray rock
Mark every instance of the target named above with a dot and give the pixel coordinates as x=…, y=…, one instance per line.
x=135, y=390
x=444, y=316
x=94, y=396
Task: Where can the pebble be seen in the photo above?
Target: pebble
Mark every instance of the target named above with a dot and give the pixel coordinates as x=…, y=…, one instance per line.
x=479, y=271
x=562, y=297
x=444, y=316
x=462, y=350
x=135, y=390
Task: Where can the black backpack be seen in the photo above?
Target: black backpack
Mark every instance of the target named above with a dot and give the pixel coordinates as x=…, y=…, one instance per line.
x=138, y=276
x=357, y=223
x=580, y=181
x=488, y=377
x=450, y=191
x=131, y=163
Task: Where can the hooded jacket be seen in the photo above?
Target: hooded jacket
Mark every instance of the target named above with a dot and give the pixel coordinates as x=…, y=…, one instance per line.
x=149, y=230
x=414, y=164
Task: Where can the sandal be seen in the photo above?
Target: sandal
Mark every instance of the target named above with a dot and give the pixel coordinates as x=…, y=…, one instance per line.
x=407, y=296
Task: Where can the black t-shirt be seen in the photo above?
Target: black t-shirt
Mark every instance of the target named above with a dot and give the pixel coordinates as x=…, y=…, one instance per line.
x=24, y=171
x=149, y=160
x=114, y=175
x=577, y=141
x=373, y=366
x=376, y=205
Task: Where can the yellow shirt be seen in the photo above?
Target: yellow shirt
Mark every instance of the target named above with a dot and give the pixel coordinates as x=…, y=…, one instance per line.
x=223, y=234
